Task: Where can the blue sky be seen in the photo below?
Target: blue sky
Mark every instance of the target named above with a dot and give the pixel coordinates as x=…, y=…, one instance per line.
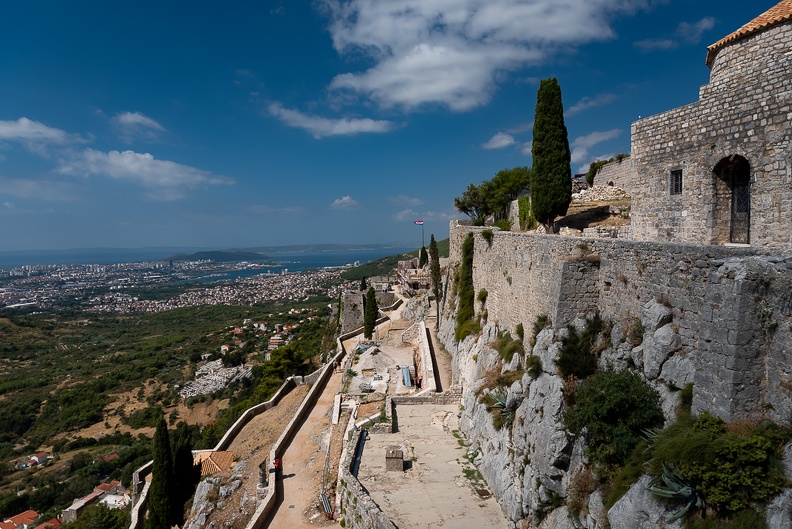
x=252, y=123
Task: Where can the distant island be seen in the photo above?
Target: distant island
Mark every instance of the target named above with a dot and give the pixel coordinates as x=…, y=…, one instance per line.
x=221, y=256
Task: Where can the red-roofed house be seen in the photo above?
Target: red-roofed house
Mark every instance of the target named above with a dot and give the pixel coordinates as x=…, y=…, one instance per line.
x=24, y=520
x=54, y=523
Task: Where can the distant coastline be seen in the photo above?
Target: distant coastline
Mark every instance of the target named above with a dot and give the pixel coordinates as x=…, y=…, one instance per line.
x=293, y=257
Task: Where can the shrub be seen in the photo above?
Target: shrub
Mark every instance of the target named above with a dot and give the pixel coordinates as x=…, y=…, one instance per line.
x=542, y=321
x=520, y=331
x=487, y=235
x=635, y=332
x=504, y=224
x=507, y=347
x=482, y=295
x=578, y=354
x=581, y=486
x=533, y=365
x=614, y=408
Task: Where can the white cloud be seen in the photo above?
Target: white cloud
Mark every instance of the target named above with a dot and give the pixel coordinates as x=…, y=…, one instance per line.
x=320, y=127
x=164, y=180
x=451, y=52
x=405, y=200
x=8, y=205
x=43, y=190
x=35, y=135
x=686, y=32
x=527, y=148
x=345, y=202
x=412, y=215
x=499, y=141
x=405, y=215
x=582, y=144
x=692, y=33
x=590, y=102
x=134, y=126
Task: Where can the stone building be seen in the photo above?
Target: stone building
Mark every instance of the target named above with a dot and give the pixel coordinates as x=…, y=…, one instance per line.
x=719, y=171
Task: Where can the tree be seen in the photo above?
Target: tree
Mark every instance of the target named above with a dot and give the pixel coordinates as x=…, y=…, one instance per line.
x=363, y=284
x=422, y=257
x=160, y=504
x=473, y=203
x=370, y=313
x=551, y=179
x=504, y=187
x=434, y=269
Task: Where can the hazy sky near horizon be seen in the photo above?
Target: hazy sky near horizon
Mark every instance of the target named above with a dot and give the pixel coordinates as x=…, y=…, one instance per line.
x=250, y=123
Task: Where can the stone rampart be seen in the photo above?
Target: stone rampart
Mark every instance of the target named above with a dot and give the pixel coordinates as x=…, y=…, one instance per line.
x=619, y=173
x=731, y=307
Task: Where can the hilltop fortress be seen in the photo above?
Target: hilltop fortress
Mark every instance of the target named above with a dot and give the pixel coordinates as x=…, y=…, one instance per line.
x=705, y=266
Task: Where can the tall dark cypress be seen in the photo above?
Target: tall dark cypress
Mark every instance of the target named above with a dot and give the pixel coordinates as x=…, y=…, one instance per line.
x=551, y=178
x=434, y=269
x=160, y=504
x=370, y=313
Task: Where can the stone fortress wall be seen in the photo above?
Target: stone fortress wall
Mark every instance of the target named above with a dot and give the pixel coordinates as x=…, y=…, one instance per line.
x=730, y=308
x=618, y=173
x=742, y=114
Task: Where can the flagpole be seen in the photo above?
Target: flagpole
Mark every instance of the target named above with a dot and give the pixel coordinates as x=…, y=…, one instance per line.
x=423, y=242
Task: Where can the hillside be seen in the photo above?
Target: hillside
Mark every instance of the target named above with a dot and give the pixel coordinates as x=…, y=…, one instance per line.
x=387, y=265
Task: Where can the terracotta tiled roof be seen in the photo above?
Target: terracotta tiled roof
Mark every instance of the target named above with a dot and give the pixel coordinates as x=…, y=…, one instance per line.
x=212, y=462
x=781, y=12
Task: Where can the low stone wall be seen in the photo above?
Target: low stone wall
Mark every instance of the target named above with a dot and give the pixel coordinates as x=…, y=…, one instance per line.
x=140, y=490
x=246, y=417
x=358, y=510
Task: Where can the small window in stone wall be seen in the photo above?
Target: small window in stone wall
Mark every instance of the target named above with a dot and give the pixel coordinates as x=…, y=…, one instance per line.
x=675, y=182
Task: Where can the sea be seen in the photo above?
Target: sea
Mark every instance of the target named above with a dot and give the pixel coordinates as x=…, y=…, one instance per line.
x=279, y=262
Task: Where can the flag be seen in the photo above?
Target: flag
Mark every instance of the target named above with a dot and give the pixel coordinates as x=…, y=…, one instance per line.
x=419, y=222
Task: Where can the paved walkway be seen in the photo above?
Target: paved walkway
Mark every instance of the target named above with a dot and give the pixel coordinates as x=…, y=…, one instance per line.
x=303, y=463
x=432, y=491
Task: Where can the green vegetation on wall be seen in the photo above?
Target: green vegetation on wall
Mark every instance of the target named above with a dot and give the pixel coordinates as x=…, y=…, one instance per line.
x=465, y=324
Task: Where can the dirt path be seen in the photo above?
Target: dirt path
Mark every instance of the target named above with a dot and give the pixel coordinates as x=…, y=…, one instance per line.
x=303, y=464
x=251, y=446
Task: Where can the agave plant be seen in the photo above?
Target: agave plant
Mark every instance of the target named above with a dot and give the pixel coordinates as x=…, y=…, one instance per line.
x=497, y=402
x=676, y=486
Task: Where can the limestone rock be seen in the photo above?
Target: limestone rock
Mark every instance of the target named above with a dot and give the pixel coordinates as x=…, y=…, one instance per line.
x=637, y=356
x=678, y=371
x=657, y=347
x=655, y=315
x=597, y=517
x=639, y=509
x=779, y=511
x=558, y=519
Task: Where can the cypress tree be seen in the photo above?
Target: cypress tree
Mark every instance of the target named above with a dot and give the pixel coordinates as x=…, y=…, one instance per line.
x=434, y=269
x=422, y=257
x=363, y=285
x=370, y=313
x=551, y=178
x=160, y=505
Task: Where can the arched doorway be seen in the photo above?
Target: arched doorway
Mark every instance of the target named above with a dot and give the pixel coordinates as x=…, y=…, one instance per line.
x=732, y=201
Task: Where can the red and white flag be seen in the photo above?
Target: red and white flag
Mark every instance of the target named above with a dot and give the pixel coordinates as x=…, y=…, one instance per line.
x=419, y=222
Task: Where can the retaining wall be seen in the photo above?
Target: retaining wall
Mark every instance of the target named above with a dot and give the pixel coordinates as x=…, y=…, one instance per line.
x=621, y=174
x=732, y=307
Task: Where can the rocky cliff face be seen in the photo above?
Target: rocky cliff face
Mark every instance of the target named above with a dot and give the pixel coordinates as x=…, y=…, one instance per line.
x=536, y=469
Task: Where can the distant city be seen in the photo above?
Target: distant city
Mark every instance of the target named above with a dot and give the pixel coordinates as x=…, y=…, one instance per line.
x=117, y=287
